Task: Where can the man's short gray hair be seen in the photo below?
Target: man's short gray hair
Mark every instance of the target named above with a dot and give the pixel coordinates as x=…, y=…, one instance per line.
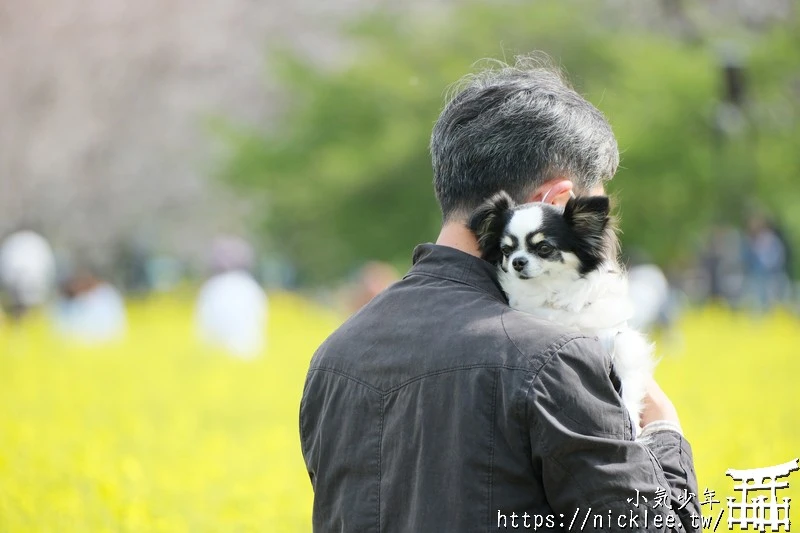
x=513, y=128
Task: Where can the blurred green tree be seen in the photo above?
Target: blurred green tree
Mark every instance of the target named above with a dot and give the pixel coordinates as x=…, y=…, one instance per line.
x=347, y=172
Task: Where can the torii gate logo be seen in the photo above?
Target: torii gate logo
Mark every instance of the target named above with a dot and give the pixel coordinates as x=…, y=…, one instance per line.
x=760, y=511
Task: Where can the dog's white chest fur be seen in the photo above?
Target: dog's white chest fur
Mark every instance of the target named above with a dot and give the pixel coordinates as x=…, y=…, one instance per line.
x=597, y=304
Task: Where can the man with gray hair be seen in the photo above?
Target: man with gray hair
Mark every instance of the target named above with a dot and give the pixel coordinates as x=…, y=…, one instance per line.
x=438, y=408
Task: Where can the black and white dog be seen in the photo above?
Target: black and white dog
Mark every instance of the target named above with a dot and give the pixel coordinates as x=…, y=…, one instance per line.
x=561, y=265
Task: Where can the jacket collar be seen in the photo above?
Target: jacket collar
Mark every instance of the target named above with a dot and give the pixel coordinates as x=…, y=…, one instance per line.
x=452, y=264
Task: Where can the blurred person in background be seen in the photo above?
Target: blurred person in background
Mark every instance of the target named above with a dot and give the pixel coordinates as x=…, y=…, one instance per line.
x=90, y=309
x=231, y=309
x=373, y=278
x=131, y=259
x=27, y=271
x=649, y=292
x=722, y=265
x=657, y=304
x=766, y=260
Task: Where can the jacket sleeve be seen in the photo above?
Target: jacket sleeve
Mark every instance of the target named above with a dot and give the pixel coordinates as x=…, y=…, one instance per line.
x=595, y=474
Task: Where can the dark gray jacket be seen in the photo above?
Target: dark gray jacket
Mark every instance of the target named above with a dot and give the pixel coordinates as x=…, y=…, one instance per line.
x=438, y=408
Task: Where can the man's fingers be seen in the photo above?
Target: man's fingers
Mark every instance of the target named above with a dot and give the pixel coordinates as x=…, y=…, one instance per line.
x=657, y=406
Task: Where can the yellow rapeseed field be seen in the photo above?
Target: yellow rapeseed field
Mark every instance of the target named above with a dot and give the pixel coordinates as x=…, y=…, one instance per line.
x=154, y=433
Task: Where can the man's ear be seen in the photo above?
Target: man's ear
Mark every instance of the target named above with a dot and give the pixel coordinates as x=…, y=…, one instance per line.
x=554, y=192
x=588, y=215
x=488, y=222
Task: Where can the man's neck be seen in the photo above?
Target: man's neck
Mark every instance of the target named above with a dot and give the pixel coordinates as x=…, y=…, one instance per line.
x=457, y=235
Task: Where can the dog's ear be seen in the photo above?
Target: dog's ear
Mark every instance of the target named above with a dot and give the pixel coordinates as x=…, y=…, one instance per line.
x=588, y=215
x=589, y=218
x=488, y=222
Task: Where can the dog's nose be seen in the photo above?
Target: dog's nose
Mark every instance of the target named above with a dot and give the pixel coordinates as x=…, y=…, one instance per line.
x=519, y=263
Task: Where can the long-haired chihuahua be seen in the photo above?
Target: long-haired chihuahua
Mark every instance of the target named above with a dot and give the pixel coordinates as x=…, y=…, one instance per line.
x=561, y=265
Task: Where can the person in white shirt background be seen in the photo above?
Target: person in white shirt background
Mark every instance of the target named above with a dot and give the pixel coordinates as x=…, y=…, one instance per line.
x=231, y=308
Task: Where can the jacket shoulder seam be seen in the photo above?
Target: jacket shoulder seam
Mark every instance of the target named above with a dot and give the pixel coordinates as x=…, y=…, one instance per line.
x=346, y=376
x=455, y=280
x=448, y=370
x=553, y=347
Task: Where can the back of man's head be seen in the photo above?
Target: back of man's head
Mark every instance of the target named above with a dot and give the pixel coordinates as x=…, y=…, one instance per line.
x=514, y=128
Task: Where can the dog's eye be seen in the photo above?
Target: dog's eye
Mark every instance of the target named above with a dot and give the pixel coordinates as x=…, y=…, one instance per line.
x=544, y=250
x=506, y=249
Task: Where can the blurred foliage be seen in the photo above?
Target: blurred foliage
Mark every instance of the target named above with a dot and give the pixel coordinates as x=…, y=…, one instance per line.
x=347, y=173
x=157, y=434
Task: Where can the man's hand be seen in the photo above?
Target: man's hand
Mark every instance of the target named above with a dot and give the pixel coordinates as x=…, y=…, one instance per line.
x=657, y=406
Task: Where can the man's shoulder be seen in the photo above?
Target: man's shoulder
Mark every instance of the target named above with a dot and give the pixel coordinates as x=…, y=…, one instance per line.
x=423, y=326
x=480, y=332
x=534, y=337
